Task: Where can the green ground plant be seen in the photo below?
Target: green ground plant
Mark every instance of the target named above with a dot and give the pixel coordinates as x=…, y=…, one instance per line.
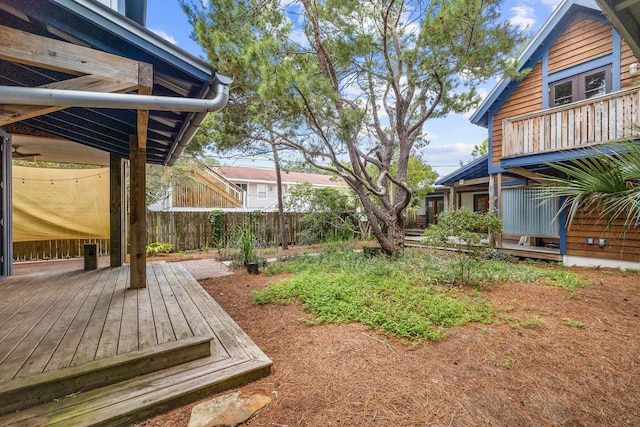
x=466, y=233
x=399, y=296
x=573, y=323
x=159, y=248
x=246, y=247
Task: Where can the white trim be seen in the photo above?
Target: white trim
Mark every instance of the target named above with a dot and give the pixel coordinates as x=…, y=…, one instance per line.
x=570, y=260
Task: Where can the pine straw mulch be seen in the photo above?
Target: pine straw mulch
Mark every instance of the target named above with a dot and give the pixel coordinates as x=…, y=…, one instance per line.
x=522, y=370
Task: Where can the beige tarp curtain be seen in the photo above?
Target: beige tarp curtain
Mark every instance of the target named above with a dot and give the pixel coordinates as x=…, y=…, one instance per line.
x=58, y=204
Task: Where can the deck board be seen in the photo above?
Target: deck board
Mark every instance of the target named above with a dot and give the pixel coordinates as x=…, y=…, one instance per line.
x=37, y=362
x=81, y=319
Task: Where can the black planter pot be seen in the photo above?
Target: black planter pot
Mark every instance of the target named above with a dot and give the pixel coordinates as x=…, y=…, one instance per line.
x=252, y=268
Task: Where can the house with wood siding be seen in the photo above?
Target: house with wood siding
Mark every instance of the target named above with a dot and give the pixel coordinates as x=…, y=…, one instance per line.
x=582, y=90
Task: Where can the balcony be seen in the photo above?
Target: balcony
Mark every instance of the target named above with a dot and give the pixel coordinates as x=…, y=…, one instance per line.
x=586, y=123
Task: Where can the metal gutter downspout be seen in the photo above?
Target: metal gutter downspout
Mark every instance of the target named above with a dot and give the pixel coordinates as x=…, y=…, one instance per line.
x=218, y=87
x=16, y=95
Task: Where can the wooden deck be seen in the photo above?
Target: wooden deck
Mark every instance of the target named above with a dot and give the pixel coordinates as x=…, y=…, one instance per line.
x=80, y=348
x=534, y=252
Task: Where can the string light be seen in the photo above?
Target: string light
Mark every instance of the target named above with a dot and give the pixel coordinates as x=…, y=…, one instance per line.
x=76, y=179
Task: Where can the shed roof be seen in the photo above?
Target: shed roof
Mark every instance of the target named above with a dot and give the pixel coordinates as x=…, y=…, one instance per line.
x=90, y=24
x=479, y=168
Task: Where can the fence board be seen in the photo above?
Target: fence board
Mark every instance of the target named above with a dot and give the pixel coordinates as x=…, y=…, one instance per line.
x=184, y=230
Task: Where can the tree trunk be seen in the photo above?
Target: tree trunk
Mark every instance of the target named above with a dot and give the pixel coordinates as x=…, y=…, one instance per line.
x=283, y=222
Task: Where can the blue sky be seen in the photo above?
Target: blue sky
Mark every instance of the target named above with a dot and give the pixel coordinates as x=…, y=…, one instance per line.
x=452, y=138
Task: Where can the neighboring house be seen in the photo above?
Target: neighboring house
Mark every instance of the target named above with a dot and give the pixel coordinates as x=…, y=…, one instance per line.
x=582, y=90
x=237, y=188
x=260, y=188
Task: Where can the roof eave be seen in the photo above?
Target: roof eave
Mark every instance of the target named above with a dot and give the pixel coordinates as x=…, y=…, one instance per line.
x=119, y=24
x=480, y=116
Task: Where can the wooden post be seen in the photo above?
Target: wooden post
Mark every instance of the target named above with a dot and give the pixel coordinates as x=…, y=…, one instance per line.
x=453, y=198
x=137, y=214
x=138, y=158
x=492, y=206
x=499, y=203
x=116, y=211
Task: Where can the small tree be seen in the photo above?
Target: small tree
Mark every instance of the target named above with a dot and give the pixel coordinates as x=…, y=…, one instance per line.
x=465, y=232
x=332, y=213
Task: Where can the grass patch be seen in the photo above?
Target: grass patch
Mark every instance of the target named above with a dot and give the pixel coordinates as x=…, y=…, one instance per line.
x=573, y=323
x=399, y=296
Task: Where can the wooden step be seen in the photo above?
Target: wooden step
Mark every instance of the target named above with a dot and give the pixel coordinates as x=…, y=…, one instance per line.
x=126, y=402
x=34, y=390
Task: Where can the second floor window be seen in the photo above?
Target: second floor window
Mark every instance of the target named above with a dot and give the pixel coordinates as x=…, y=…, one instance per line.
x=579, y=87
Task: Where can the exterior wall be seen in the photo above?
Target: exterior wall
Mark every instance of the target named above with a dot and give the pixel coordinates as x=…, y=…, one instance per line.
x=253, y=201
x=466, y=199
x=584, y=39
x=621, y=245
x=526, y=98
x=626, y=59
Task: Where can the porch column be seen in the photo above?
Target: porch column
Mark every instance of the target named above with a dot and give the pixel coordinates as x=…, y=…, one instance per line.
x=116, y=210
x=499, y=204
x=138, y=158
x=492, y=205
x=453, y=198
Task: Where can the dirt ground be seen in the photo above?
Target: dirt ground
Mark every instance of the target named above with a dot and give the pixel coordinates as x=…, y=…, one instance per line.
x=529, y=368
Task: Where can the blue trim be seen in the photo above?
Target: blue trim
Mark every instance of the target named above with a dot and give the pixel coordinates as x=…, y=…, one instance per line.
x=562, y=219
x=583, y=67
x=543, y=158
x=475, y=169
x=616, y=73
x=545, y=79
x=495, y=169
x=546, y=36
x=514, y=183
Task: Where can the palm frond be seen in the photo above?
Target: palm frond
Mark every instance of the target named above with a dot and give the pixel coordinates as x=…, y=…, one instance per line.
x=605, y=185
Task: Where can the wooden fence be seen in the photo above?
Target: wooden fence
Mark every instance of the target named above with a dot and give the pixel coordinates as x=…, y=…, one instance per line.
x=56, y=249
x=184, y=230
x=193, y=230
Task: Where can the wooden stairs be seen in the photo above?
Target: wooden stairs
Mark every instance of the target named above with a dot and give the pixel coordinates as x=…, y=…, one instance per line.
x=128, y=387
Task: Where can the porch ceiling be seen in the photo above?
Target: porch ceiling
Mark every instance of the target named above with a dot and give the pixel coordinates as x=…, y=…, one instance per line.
x=89, y=24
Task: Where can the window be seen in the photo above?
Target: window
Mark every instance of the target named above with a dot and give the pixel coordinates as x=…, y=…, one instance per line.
x=583, y=86
x=262, y=191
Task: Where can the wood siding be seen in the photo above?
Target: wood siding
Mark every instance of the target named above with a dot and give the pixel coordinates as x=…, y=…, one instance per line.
x=627, y=58
x=622, y=245
x=526, y=98
x=583, y=40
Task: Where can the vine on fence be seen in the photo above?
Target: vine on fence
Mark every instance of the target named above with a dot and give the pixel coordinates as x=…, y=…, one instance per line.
x=216, y=217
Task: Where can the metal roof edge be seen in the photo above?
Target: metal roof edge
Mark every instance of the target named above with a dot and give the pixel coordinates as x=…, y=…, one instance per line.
x=560, y=11
x=448, y=178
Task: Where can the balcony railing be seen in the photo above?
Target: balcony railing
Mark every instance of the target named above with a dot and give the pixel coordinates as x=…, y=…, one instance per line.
x=593, y=121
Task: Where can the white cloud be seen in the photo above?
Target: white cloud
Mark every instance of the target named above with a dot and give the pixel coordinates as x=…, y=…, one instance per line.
x=299, y=37
x=523, y=17
x=165, y=35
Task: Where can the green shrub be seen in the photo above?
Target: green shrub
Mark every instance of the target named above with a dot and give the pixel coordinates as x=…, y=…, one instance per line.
x=466, y=233
x=159, y=248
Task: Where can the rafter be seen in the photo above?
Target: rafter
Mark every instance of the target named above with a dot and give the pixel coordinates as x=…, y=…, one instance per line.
x=30, y=49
